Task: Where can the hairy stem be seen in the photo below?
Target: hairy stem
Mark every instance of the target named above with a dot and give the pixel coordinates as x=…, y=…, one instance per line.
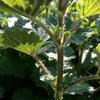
x=83, y=79
x=47, y=30
x=41, y=65
x=58, y=94
x=60, y=50
x=61, y=14
x=86, y=79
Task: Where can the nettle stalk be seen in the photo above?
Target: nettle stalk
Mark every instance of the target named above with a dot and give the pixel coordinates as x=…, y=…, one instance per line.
x=60, y=50
x=59, y=44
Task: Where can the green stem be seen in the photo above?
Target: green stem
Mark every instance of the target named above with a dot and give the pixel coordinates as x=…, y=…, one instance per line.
x=59, y=92
x=47, y=30
x=60, y=51
x=93, y=77
x=80, y=53
x=75, y=25
x=41, y=65
x=83, y=79
x=98, y=60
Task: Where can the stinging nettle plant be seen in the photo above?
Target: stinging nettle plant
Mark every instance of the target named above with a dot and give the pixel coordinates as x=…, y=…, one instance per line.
x=30, y=42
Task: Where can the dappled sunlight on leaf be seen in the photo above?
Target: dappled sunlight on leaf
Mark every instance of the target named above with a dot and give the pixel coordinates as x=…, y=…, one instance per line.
x=28, y=48
x=21, y=40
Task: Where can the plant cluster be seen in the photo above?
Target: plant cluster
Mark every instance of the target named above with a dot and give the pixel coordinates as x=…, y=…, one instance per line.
x=53, y=42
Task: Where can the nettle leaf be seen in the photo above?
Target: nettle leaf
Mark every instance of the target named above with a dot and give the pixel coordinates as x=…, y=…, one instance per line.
x=19, y=39
x=98, y=48
x=88, y=8
x=98, y=24
x=32, y=7
x=21, y=3
x=79, y=88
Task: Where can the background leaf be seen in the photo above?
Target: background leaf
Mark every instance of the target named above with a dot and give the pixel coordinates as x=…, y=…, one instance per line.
x=2, y=90
x=78, y=88
x=23, y=94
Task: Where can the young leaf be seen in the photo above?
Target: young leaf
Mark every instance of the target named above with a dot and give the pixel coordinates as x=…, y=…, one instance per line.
x=98, y=48
x=88, y=8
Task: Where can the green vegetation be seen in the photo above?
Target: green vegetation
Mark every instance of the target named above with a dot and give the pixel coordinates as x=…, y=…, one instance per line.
x=51, y=51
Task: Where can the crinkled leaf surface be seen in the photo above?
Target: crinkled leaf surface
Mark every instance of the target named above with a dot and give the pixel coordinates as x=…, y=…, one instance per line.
x=21, y=40
x=78, y=88
x=88, y=8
